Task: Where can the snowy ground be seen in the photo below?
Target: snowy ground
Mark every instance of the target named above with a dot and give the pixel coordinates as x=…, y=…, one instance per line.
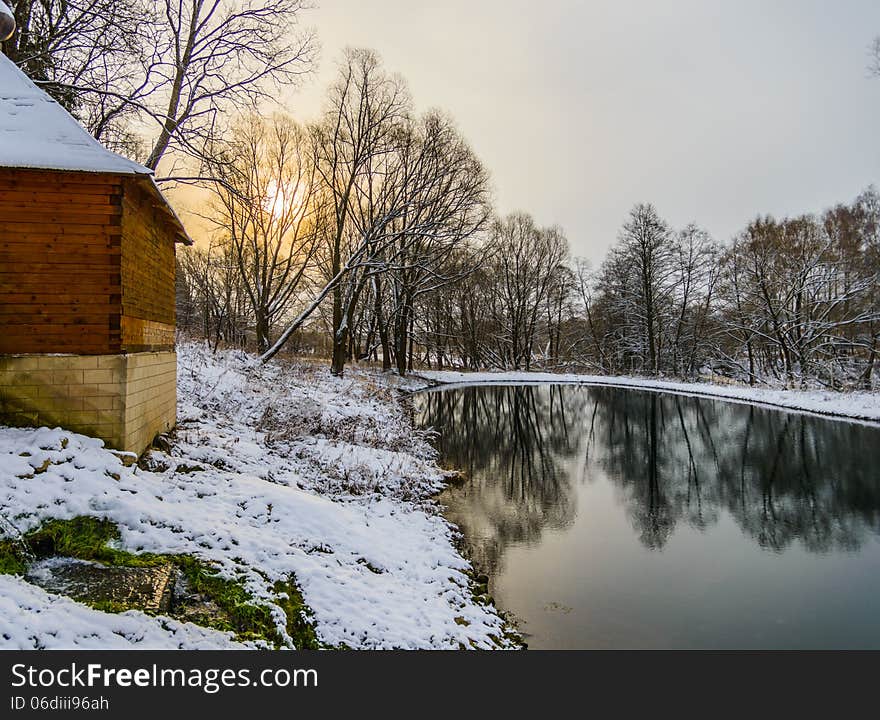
x=853, y=405
x=276, y=470
x=282, y=470
x=31, y=618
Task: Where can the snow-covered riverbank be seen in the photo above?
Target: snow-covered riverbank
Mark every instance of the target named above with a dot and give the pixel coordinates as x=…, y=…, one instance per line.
x=863, y=406
x=275, y=471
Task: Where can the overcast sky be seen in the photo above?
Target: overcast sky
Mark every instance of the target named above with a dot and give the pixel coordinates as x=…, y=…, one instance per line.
x=714, y=111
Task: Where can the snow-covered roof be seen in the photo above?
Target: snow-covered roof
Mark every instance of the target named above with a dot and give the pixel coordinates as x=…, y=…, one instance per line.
x=36, y=132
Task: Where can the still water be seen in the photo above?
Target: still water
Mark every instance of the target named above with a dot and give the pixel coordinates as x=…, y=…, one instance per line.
x=613, y=518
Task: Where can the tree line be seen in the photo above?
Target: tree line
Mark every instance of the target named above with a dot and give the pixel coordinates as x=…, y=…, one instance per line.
x=370, y=234
x=788, y=301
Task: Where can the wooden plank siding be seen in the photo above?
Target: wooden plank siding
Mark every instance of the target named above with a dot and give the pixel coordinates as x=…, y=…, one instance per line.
x=148, y=272
x=86, y=264
x=60, y=256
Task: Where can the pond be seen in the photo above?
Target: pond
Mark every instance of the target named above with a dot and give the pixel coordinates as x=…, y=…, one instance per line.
x=616, y=518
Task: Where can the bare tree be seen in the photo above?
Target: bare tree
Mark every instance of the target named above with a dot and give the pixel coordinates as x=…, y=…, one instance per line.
x=267, y=202
x=642, y=263
x=736, y=336
x=693, y=283
x=357, y=135
x=212, y=300
x=527, y=261
x=596, y=335
x=165, y=67
x=799, y=294
x=83, y=52
x=216, y=54
x=445, y=202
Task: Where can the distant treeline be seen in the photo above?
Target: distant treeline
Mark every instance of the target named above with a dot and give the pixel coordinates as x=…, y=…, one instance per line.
x=791, y=301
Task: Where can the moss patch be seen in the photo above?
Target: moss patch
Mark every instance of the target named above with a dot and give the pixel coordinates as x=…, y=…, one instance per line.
x=11, y=558
x=232, y=608
x=86, y=538
x=299, y=616
x=237, y=610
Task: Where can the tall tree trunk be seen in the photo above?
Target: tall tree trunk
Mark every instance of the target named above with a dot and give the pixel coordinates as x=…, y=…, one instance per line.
x=340, y=334
x=340, y=352
x=412, y=322
x=262, y=328
x=867, y=376
x=751, y=353
x=400, y=338
x=381, y=327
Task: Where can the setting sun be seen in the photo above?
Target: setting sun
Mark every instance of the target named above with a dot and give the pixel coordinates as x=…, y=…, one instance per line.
x=281, y=199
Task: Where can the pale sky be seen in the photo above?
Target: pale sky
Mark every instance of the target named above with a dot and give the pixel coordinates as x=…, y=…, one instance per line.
x=713, y=110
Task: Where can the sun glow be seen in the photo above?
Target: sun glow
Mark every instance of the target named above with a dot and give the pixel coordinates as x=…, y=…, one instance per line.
x=281, y=199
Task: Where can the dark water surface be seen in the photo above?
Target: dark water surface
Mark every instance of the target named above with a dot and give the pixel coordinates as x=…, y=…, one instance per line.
x=613, y=518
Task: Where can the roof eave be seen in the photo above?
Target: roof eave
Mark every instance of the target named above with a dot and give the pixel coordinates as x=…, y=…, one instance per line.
x=182, y=235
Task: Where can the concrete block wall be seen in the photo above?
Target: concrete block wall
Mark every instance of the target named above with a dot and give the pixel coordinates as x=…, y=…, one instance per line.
x=150, y=398
x=126, y=400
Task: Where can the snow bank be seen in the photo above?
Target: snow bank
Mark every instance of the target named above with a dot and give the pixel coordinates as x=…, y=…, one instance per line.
x=851, y=405
x=272, y=474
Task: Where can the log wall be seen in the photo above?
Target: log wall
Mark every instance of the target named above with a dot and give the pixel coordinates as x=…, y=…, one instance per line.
x=60, y=251
x=148, y=268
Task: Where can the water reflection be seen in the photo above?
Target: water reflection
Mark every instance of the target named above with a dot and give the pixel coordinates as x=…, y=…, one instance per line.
x=514, y=446
x=674, y=462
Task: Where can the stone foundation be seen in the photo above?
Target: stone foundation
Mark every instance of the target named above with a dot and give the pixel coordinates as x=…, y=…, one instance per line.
x=126, y=400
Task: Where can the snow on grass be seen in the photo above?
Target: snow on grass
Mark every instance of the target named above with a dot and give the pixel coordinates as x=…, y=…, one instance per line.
x=849, y=405
x=276, y=470
x=32, y=619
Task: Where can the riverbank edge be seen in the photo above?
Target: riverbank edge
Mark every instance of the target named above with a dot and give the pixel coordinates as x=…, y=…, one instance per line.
x=862, y=406
x=357, y=428
x=479, y=577
x=800, y=402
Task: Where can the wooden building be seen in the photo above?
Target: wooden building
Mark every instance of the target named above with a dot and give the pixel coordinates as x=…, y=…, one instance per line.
x=87, y=245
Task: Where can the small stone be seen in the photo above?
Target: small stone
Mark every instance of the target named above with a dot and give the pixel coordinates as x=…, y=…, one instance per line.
x=162, y=443
x=141, y=588
x=128, y=459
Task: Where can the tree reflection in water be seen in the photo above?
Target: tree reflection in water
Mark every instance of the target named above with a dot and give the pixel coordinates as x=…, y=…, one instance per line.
x=514, y=445
x=673, y=460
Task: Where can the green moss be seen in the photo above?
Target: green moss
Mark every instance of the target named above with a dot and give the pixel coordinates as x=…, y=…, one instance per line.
x=247, y=619
x=299, y=616
x=241, y=615
x=109, y=606
x=88, y=538
x=11, y=558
